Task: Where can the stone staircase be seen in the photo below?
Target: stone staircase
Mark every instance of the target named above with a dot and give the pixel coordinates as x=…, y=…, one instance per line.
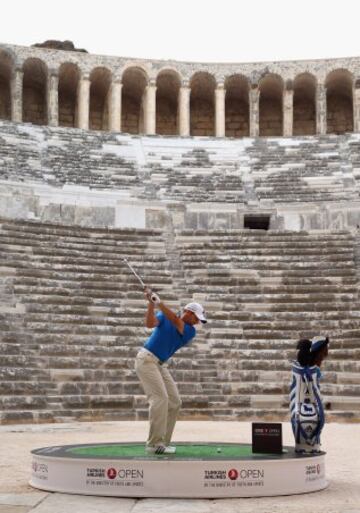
x=263, y=291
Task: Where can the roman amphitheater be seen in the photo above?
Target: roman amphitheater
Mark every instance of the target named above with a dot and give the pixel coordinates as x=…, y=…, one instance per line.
x=236, y=185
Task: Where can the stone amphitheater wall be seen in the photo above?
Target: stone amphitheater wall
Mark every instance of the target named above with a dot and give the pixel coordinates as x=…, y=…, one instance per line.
x=137, y=96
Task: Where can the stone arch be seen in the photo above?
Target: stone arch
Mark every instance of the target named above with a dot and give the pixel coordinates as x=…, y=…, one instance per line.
x=237, y=106
x=6, y=67
x=69, y=76
x=339, y=102
x=134, y=82
x=34, y=91
x=271, y=105
x=304, y=105
x=202, y=107
x=100, y=81
x=167, y=94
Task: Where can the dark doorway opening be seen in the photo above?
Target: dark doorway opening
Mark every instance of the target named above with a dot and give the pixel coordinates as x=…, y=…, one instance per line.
x=257, y=221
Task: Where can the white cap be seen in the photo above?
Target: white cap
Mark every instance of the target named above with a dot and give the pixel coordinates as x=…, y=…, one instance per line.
x=198, y=310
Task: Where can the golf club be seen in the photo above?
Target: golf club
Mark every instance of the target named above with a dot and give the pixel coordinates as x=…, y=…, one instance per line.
x=154, y=296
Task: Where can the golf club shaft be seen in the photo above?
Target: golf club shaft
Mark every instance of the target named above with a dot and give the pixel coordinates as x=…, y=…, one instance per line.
x=134, y=273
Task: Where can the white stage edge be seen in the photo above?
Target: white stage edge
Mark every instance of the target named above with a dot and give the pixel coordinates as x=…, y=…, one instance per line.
x=177, y=478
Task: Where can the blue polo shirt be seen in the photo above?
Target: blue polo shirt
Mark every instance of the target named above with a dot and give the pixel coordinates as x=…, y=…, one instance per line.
x=165, y=339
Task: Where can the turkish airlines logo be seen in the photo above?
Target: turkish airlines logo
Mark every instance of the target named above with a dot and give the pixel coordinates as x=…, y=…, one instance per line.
x=111, y=473
x=233, y=474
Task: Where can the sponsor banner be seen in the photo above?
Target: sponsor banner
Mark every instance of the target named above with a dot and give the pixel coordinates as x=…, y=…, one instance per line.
x=166, y=478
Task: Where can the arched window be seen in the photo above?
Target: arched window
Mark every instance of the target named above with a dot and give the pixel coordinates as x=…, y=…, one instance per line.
x=339, y=102
x=167, y=94
x=134, y=82
x=34, y=92
x=237, y=106
x=270, y=108
x=100, y=80
x=304, y=105
x=68, y=85
x=5, y=78
x=202, y=109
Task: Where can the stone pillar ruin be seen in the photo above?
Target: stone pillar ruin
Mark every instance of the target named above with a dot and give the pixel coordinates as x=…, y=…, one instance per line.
x=16, y=87
x=321, y=109
x=220, y=111
x=115, y=106
x=254, y=97
x=288, y=114
x=83, y=102
x=150, y=109
x=356, y=106
x=184, y=110
x=52, y=99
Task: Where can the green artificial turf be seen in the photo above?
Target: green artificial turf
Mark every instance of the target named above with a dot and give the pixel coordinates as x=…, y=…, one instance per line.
x=182, y=451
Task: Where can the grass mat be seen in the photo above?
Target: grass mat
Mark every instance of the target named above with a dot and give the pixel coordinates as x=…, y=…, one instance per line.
x=182, y=451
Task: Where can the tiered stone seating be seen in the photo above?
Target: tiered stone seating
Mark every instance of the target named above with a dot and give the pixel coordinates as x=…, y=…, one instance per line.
x=207, y=170
x=66, y=156
x=302, y=170
x=191, y=170
x=72, y=314
x=72, y=317
x=263, y=291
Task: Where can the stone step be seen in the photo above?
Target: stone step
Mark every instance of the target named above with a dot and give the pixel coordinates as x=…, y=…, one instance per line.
x=224, y=346
x=231, y=351
x=79, y=295
x=44, y=245
x=280, y=334
x=216, y=299
x=348, y=378
x=233, y=369
x=293, y=298
x=53, y=230
x=237, y=252
x=243, y=414
x=42, y=305
x=282, y=235
x=292, y=269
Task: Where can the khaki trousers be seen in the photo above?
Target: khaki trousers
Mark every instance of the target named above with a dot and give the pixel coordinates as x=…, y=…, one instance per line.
x=162, y=394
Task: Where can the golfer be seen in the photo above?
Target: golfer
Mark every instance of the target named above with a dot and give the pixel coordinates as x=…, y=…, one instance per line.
x=307, y=410
x=170, y=333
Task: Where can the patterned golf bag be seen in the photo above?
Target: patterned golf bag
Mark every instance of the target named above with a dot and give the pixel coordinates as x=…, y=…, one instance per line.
x=307, y=412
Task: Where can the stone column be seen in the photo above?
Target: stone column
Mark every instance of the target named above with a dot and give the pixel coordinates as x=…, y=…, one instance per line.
x=16, y=88
x=220, y=111
x=52, y=97
x=288, y=112
x=356, y=106
x=83, y=102
x=254, y=97
x=115, y=106
x=321, y=109
x=184, y=110
x=150, y=108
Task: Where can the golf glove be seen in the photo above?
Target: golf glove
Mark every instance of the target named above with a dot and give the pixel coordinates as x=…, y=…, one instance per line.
x=152, y=296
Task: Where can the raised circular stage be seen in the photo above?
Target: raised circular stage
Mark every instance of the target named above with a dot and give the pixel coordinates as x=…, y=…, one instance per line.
x=197, y=470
